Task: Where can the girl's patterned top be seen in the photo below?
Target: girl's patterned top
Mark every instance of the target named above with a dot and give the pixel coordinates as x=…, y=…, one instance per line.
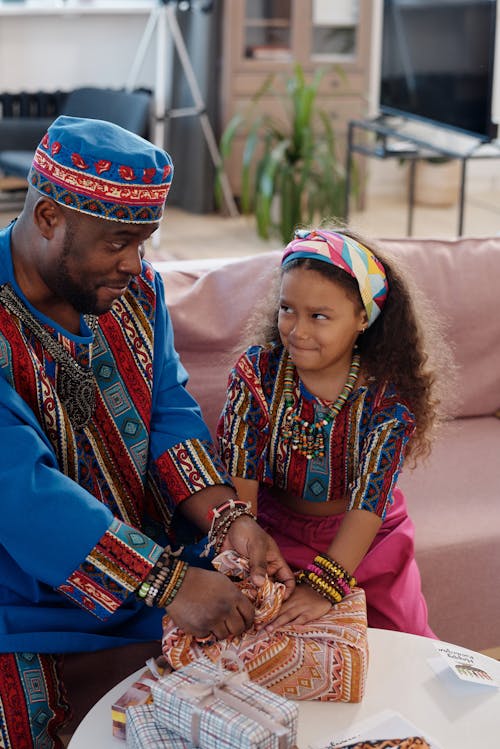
x=364, y=445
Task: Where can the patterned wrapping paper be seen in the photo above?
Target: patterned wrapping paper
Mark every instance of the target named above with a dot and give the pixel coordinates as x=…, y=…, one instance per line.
x=216, y=708
x=143, y=733
x=325, y=660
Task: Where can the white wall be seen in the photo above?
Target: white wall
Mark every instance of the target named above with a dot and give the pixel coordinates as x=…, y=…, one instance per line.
x=50, y=45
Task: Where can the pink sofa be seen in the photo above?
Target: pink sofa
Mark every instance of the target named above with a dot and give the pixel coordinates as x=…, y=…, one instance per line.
x=454, y=498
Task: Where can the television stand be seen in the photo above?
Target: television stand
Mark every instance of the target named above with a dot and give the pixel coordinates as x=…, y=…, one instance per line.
x=388, y=137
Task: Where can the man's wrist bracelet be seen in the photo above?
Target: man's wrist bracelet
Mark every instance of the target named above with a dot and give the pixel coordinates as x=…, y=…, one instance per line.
x=164, y=580
x=222, y=517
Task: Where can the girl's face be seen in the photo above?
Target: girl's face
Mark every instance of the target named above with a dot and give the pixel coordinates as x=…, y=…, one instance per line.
x=318, y=321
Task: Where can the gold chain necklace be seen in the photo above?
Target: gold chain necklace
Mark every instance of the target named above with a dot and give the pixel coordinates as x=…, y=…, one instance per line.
x=308, y=438
x=75, y=384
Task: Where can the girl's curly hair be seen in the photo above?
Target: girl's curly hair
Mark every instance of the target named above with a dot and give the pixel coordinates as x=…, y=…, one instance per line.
x=405, y=345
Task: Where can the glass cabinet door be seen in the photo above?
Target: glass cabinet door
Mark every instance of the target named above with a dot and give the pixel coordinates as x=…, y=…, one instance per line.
x=267, y=30
x=334, y=29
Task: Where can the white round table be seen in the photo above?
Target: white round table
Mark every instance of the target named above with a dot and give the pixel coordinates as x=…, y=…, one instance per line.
x=400, y=678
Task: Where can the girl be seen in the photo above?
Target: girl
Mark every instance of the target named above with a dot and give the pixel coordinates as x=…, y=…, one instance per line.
x=320, y=416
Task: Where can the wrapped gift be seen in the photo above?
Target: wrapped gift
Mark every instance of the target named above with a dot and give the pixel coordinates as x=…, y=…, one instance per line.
x=139, y=693
x=326, y=659
x=144, y=733
x=217, y=708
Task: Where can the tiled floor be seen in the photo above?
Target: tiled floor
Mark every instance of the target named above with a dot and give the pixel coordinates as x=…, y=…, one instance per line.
x=185, y=235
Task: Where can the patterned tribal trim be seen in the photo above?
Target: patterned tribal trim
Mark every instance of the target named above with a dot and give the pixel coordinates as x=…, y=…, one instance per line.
x=189, y=467
x=121, y=560
x=83, y=191
x=136, y=334
x=104, y=189
x=32, y=703
x=102, y=209
x=380, y=463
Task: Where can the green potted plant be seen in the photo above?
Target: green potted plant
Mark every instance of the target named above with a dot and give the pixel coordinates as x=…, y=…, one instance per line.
x=291, y=174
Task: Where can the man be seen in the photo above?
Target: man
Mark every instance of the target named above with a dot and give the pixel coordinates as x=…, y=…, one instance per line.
x=101, y=443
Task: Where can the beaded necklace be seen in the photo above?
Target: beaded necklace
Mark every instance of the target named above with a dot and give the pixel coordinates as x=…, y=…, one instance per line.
x=76, y=384
x=308, y=438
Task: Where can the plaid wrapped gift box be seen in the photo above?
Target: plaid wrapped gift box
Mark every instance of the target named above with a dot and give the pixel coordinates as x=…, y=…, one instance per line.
x=219, y=709
x=144, y=733
x=138, y=693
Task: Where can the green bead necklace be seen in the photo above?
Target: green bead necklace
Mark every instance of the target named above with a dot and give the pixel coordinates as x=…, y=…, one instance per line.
x=308, y=438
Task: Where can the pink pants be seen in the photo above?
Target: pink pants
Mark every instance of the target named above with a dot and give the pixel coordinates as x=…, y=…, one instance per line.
x=388, y=573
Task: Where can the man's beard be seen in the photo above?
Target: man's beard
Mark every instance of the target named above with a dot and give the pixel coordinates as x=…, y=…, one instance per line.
x=82, y=300
x=85, y=302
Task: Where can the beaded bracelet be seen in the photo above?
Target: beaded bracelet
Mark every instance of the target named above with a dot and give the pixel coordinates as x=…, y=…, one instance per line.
x=223, y=516
x=320, y=586
x=174, y=583
x=164, y=580
x=150, y=587
x=327, y=577
x=230, y=504
x=335, y=568
x=339, y=583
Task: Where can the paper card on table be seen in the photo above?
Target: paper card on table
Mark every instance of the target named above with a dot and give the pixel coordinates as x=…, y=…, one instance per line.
x=470, y=666
x=385, y=726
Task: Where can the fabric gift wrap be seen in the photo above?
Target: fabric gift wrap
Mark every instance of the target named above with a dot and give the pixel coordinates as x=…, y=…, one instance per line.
x=143, y=733
x=218, y=708
x=326, y=659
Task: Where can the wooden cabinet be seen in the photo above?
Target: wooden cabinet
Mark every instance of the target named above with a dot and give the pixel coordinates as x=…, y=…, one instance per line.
x=262, y=37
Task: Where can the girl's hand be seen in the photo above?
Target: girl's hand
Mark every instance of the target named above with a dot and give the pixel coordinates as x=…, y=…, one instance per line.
x=303, y=606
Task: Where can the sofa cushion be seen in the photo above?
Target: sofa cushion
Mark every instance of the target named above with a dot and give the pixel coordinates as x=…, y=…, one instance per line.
x=460, y=278
x=209, y=309
x=454, y=501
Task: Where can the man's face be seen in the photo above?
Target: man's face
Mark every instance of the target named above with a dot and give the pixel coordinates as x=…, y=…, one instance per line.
x=92, y=261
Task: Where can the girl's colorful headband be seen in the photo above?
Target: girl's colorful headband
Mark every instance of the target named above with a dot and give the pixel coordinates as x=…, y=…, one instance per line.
x=349, y=255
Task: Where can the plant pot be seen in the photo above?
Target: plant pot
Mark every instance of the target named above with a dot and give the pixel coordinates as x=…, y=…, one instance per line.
x=437, y=184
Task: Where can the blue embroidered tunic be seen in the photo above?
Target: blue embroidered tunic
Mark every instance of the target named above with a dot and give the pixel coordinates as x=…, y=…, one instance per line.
x=85, y=512
x=364, y=444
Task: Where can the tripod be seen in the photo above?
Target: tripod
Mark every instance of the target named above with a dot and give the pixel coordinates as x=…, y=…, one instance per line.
x=163, y=18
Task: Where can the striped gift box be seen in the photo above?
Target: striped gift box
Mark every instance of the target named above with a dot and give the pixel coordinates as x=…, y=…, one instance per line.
x=216, y=708
x=143, y=733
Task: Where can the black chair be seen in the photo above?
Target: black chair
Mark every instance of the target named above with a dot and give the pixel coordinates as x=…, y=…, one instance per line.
x=19, y=136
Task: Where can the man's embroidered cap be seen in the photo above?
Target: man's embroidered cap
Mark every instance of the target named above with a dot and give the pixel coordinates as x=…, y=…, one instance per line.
x=101, y=169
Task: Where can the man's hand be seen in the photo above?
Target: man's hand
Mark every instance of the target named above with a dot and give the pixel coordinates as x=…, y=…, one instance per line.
x=208, y=602
x=304, y=605
x=247, y=538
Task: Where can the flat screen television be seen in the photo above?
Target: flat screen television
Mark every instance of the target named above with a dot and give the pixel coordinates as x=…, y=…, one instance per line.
x=438, y=62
